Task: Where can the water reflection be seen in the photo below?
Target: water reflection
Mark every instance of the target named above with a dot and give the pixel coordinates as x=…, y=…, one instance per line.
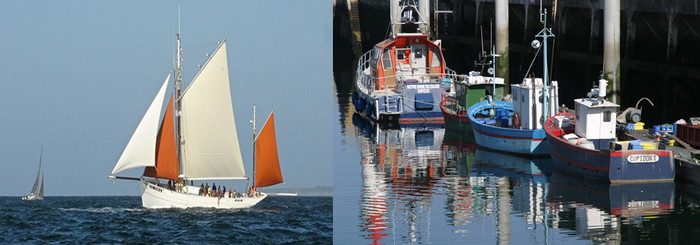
x=424, y=183
x=597, y=210
x=398, y=169
x=409, y=173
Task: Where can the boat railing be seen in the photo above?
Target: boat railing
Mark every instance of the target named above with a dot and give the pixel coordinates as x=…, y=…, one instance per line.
x=367, y=83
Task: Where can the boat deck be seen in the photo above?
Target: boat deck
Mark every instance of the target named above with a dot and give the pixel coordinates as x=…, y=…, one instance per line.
x=680, y=153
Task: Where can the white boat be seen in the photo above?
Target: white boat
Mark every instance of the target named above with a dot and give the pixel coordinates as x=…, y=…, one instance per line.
x=201, y=119
x=38, y=188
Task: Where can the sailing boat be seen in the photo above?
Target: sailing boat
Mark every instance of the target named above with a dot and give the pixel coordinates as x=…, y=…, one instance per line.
x=38, y=188
x=197, y=140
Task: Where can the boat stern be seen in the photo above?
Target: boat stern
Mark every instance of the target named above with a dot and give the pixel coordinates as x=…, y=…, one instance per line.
x=636, y=166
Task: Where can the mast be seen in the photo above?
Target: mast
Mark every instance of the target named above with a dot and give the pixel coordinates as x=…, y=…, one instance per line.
x=178, y=92
x=544, y=34
x=254, y=130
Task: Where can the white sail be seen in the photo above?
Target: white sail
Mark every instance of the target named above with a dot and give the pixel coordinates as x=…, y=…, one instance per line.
x=38, y=172
x=210, y=148
x=41, y=191
x=141, y=150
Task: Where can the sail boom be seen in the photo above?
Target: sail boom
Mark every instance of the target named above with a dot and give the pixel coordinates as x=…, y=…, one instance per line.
x=219, y=178
x=124, y=178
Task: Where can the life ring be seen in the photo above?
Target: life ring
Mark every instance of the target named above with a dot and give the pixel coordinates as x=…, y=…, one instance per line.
x=516, y=120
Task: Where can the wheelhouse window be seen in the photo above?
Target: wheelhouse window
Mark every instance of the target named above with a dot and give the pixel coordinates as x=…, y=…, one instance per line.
x=418, y=53
x=577, y=111
x=376, y=52
x=607, y=116
x=386, y=59
x=400, y=55
x=435, y=60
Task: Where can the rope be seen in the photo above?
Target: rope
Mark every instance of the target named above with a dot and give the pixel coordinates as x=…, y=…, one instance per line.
x=533, y=62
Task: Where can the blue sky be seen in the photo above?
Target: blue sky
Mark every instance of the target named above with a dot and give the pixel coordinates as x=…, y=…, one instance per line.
x=77, y=76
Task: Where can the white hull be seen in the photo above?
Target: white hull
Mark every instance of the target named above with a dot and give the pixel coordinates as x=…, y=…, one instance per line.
x=32, y=197
x=153, y=196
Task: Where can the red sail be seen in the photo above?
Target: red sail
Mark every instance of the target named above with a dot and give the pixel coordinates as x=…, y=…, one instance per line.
x=167, y=162
x=267, y=163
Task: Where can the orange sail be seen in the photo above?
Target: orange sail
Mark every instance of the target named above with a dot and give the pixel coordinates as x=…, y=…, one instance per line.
x=267, y=163
x=167, y=162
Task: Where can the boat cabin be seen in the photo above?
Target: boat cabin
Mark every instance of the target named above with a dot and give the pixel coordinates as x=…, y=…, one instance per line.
x=528, y=102
x=595, y=120
x=408, y=56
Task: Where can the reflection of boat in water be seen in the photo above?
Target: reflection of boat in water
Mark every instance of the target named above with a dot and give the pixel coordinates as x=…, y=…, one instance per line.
x=600, y=207
x=512, y=166
x=527, y=177
x=400, y=168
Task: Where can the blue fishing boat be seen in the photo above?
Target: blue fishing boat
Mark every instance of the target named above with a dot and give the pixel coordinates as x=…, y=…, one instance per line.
x=585, y=144
x=515, y=125
x=510, y=126
x=402, y=78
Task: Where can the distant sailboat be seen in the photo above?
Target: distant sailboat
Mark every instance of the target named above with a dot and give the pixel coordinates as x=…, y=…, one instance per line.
x=201, y=119
x=38, y=188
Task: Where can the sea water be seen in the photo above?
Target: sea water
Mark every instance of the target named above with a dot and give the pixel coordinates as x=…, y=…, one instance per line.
x=121, y=219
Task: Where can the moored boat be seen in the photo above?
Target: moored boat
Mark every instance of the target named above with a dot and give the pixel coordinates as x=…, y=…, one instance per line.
x=465, y=93
x=402, y=78
x=515, y=125
x=585, y=144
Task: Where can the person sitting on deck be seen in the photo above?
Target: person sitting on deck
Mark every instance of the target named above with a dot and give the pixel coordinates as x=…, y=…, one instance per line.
x=229, y=193
x=201, y=189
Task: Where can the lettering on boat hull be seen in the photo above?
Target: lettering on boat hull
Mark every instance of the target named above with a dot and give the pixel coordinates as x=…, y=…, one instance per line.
x=642, y=158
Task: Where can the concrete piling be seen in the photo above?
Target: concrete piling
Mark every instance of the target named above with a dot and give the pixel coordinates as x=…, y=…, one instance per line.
x=611, y=50
x=502, y=42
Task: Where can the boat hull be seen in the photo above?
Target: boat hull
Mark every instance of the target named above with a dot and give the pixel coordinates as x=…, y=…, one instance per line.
x=455, y=120
x=687, y=171
x=510, y=140
x=156, y=197
x=31, y=198
x=402, y=107
x=606, y=165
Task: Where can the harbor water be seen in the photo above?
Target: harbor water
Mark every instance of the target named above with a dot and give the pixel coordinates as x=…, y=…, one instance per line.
x=424, y=184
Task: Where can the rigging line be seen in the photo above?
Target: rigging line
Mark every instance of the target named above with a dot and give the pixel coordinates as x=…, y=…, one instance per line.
x=533, y=62
x=551, y=63
x=202, y=45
